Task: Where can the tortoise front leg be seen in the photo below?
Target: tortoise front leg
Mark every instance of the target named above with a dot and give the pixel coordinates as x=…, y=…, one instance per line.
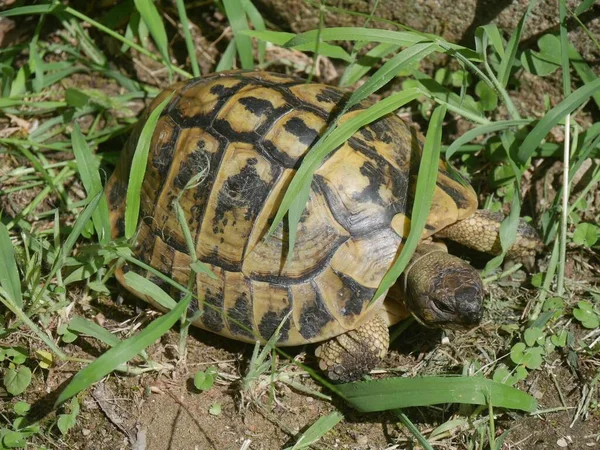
x=351, y=355
x=481, y=232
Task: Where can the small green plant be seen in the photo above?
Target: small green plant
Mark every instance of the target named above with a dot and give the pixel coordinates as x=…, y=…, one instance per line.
x=586, y=235
x=20, y=431
x=204, y=380
x=17, y=376
x=215, y=409
x=68, y=420
x=586, y=314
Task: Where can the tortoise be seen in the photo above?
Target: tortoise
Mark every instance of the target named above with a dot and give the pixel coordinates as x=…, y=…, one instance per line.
x=226, y=146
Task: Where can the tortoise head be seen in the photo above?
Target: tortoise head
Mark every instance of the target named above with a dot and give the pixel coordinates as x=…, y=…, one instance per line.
x=444, y=291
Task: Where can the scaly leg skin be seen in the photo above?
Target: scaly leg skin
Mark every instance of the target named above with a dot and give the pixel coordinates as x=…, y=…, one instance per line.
x=351, y=355
x=481, y=232
x=442, y=290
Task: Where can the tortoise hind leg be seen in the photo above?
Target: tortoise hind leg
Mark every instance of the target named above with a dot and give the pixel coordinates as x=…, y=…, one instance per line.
x=351, y=355
x=481, y=232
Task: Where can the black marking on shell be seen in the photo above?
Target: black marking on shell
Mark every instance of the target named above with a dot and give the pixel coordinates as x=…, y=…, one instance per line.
x=204, y=189
x=303, y=132
x=120, y=226
x=457, y=195
x=163, y=156
x=191, y=166
x=330, y=95
x=271, y=321
x=159, y=282
x=244, y=190
x=314, y=317
x=257, y=106
x=366, y=134
x=212, y=317
x=381, y=129
x=240, y=317
x=356, y=295
x=117, y=193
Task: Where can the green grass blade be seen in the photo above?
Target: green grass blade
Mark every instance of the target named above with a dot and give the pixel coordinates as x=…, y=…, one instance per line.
x=227, y=58
x=484, y=129
x=494, y=35
x=87, y=327
x=361, y=67
x=88, y=170
x=78, y=227
x=35, y=9
x=413, y=429
x=390, y=69
x=280, y=38
x=426, y=181
x=466, y=107
x=510, y=54
x=9, y=273
x=237, y=19
x=138, y=169
x=317, y=430
x=294, y=214
x=400, y=38
x=147, y=287
x=564, y=48
x=333, y=138
x=155, y=25
x=259, y=24
x=189, y=42
x=583, y=70
x=393, y=393
x=555, y=115
x=122, y=352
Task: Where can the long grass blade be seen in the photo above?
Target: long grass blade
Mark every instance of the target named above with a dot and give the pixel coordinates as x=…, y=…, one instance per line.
x=259, y=24
x=155, y=25
x=361, y=67
x=317, y=430
x=34, y=9
x=138, y=169
x=85, y=326
x=584, y=71
x=88, y=170
x=9, y=273
x=189, y=42
x=555, y=115
x=390, y=69
x=149, y=289
x=281, y=37
x=331, y=140
x=69, y=243
x=237, y=19
x=500, y=125
x=511, y=48
x=122, y=352
x=392, y=393
x=400, y=38
x=426, y=183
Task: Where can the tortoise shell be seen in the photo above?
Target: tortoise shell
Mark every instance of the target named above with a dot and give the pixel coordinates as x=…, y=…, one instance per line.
x=245, y=133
